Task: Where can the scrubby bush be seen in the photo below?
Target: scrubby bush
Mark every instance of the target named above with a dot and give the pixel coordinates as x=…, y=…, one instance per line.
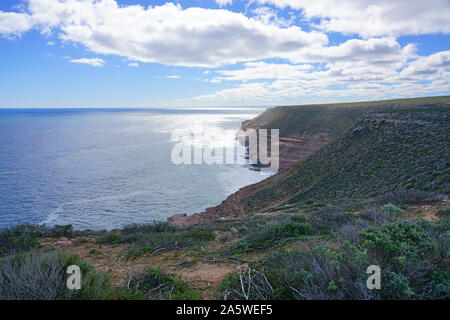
x=24, y=237
x=376, y=215
x=350, y=232
x=413, y=257
x=272, y=235
x=155, y=284
x=392, y=210
x=329, y=218
x=155, y=227
x=42, y=276
x=412, y=197
x=313, y=274
x=158, y=236
x=18, y=238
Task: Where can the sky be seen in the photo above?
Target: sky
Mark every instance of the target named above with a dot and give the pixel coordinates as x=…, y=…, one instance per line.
x=209, y=53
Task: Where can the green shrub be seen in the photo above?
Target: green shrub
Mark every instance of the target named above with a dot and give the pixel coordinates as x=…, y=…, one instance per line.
x=413, y=257
x=399, y=239
x=329, y=218
x=158, y=235
x=155, y=284
x=24, y=237
x=412, y=197
x=376, y=215
x=299, y=219
x=392, y=210
x=42, y=276
x=271, y=236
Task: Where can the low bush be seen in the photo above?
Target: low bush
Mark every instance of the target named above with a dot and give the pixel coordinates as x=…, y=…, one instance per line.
x=376, y=215
x=24, y=237
x=329, y=218
x=392, y=210
x=413, y=257
x=158, y=236
x=412, y=197
x=273, y=235
x=42, y=276
x=155, y=284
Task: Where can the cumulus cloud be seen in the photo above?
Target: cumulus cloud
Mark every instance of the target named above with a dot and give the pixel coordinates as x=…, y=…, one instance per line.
x=338, y=80
x=375, y=51
x=166, y=34
x=263, y=70
x=95, y=62
x=374, y=59
x=14, y=24
x=223, y=3
x=370, y=18
x=270, y=16
x=267, y=93
x=279, y=59
x=428, y=67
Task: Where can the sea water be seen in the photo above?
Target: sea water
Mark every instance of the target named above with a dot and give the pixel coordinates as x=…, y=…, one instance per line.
x=107, y=168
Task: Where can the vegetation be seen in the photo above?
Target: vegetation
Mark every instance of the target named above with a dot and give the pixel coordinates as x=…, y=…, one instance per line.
x=26, y=236
x=273, y=235
x=399, y=149
x=155, y=284
x=333, y=119
x=158, y=236
x=319, y=224
x=413, y=257
x=42, y=276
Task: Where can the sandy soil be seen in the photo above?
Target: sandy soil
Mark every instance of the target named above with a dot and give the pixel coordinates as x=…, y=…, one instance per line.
x=203, y=274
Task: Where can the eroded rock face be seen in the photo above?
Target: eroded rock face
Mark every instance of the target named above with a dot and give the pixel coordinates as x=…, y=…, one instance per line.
x=292, y=150
x=178, y=220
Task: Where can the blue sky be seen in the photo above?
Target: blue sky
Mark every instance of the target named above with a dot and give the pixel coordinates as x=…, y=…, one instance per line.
x=136, y=53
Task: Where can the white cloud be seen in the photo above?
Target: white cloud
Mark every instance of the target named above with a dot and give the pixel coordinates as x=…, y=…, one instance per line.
x=375, y=51
x=375, y=66
x=428, y=67
x=280, y=91
x=14, y=24
x=338, y=81
x=269, y=16
x=95, y=62
x=223, y=3
x=168, y=34
x=370, y=18
x=354, y=60
x=263, y=70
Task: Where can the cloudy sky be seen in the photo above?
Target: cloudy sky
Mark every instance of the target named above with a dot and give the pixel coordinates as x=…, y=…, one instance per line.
x=147, y=53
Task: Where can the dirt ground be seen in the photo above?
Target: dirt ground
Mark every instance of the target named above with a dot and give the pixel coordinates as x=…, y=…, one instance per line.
x=202, y=274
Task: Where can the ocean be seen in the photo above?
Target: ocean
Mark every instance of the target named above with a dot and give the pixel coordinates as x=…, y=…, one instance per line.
x=107, y=168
